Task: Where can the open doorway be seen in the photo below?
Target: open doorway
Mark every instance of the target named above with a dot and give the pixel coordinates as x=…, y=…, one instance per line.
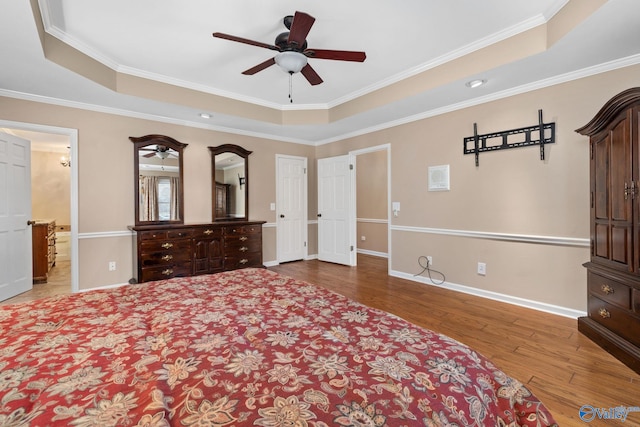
x=373, y=187
x=54, y=205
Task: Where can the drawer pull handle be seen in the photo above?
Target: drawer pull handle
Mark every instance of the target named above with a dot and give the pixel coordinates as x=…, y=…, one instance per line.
x=604, y=313
x=167, y=257
x=208, y=231
x=167, y=272
x=244, y=261
x=607, y=289
x=167, y=245
x=244, y=249
x=243, y=238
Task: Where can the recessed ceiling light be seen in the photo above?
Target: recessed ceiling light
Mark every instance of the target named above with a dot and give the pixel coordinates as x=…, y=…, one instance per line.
x=475, y=83
x=205, y=115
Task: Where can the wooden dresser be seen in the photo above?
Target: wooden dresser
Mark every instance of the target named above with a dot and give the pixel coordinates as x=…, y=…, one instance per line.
x=613, y=273
x=165, y=251
x=43, y=236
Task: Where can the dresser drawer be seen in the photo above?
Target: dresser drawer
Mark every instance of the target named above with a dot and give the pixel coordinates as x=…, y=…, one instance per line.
x=622, y=322
x=149, y=259
x=235, y=244
x=243, y=261
x=242, y=229
x=165, y=234
x=166, y=271
x=166, y=245
x=609, y=290
x=207, y=232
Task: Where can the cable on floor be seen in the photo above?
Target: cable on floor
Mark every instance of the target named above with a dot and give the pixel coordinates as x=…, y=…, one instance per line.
x=423, y=262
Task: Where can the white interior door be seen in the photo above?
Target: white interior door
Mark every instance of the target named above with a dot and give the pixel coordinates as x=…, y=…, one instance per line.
x=291, y=212
x=16, y=274
x=336, y=212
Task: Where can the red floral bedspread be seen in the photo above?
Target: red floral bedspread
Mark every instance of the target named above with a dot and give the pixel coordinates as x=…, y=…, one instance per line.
x=248, y=347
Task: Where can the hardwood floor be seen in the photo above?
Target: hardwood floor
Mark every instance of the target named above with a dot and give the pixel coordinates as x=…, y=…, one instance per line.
x=561, y=367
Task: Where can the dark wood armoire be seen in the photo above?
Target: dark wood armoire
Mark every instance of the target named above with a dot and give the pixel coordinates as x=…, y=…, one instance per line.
x=613, y=273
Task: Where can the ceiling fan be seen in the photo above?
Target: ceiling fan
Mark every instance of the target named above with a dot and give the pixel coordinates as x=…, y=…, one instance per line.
x=292, y=49
x=161, y=151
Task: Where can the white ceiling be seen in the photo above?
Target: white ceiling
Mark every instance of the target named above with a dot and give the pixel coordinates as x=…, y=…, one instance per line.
x=170, y=41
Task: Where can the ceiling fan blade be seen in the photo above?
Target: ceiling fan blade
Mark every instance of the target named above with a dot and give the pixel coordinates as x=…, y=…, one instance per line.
x=268, y=63
x=311, y=75
x=338, y=55
x=150, y=154
x=245, y=41
x=300, y=27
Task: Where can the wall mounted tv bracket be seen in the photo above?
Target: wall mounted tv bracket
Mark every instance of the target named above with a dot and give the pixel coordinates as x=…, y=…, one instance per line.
x=545, y=132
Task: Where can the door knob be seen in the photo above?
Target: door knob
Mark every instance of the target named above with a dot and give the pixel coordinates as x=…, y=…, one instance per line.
x=319, y=215
x=30, y=222
x=281, y=216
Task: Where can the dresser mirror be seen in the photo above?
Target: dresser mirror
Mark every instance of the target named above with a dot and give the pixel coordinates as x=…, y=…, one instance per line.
x=158, y=180
x=230, y=183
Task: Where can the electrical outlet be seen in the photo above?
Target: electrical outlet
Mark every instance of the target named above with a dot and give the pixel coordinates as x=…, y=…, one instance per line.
x=430, y=260
x=363, y=238
x=112, y=266
x=482, y=269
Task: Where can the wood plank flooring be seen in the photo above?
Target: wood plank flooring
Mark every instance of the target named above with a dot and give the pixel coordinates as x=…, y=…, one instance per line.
x=560, y=366
x=546, y=352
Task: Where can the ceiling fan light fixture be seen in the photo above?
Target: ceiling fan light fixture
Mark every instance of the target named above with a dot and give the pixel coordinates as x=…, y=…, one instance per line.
x=162, y=154
x=290, y=61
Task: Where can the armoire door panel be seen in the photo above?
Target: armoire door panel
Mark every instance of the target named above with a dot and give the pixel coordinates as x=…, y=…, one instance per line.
x=601, y=241
x=620, y=244
x=600, y=181
x=621, y=193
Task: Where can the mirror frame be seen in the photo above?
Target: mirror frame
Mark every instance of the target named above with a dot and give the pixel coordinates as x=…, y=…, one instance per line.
x=143, y=141
x=236, y=149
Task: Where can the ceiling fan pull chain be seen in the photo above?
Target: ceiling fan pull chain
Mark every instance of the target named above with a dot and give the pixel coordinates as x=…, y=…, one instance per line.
x=290, y=87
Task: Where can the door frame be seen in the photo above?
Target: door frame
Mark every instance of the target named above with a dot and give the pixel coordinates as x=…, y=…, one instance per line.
x=305, y=204
x=353, y=155
x=72, y=134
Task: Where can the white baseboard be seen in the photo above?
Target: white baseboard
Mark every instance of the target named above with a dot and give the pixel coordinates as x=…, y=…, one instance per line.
x=522, y=302
x=373, y=253
x=117, y=285
x=270, y=263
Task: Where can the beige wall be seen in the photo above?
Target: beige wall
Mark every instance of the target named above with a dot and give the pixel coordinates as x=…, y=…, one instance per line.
x=106, y=182
x=512, y=192
x=371, y=202
x=50, y=182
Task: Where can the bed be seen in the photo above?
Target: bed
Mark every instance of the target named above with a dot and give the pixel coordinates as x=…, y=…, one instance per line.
x=245, y=347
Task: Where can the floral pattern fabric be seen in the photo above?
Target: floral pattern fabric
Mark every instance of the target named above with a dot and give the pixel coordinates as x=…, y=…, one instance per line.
x=240, y=348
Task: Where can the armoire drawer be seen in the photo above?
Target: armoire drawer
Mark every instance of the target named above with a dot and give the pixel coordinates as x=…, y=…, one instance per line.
x=609, y=290
x=622, y=322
